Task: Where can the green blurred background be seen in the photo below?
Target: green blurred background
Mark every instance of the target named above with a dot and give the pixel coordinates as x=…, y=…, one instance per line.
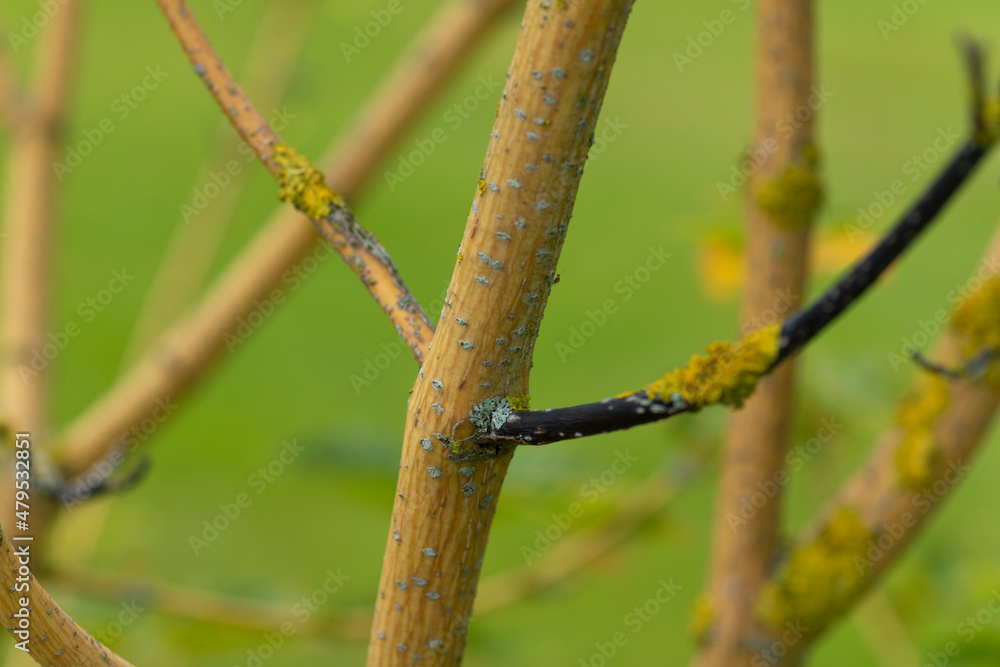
x=654, y=185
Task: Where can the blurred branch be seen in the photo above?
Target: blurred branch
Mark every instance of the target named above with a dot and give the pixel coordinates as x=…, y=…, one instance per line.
x=198, y=232
x=304, y=186
x=784, y=199
x=184, y=353
x=29, y=215
x=574, y=553
x=915, y=467
x=208, y=607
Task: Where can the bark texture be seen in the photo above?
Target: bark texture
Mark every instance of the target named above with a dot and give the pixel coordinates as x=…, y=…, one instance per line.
x=481, y=354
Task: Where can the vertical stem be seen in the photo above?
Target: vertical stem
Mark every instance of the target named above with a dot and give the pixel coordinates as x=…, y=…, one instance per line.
x=782, y=201
x=482, y=350
x=29, y=214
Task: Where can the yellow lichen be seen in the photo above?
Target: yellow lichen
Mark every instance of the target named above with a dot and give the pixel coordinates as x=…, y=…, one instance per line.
x=481, y=187
x=918, y=452
x=986, y=135
x=519, y=401
x=792, y=198
x=727, y=375
x=977, y=322
x=302, y=184
x=702, y=617
x=820, y=578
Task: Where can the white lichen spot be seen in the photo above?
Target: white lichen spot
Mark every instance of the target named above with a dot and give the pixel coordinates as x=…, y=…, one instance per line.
x=418, y=581
x=520, y=114
x=490, y=415
x=482, y=280
x=503, y=236
x=402, y=585
x=558, y=72
x=426, y=444
x=466, y=344
x=531, y=168
x=437, y=384
x=433, y=596
x=469, y=489
x=514, y=183
x=434, y=472
x=429, y=552
x=586, y=55
x=467, y=472
x=395, y=535
x=541, y=204
x=437, y=408
x=520, y=223
x=532, y=136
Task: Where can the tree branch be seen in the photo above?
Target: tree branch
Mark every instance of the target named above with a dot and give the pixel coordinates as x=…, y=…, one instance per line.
x=53, y=638
x=885, y=504
x=185, y=352
x=303, y=185
x=10, y=90
x=542, y=427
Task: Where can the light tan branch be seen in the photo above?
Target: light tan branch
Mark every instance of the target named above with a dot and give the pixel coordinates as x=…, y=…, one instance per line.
x=53, y=638
x=782, y=202
x=29, y=213
x=184, y=353
x=448, y=487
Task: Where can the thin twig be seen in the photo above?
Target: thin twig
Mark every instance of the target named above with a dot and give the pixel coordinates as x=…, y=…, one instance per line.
x=11, y=101
x=185, y=352
x=208, y=607
x=199, y=231
x=303, y=185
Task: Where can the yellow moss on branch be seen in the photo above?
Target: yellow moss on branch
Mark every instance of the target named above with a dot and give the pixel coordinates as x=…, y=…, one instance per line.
x=820, y=578
x=977, y=321
x=792, y=198
x=727, y=375
x=303, y=184
x=918, y=450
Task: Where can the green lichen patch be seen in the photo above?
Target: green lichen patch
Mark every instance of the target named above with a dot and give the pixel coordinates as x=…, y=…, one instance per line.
x=820, y=578
x=303, y=185
x=792, y=198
